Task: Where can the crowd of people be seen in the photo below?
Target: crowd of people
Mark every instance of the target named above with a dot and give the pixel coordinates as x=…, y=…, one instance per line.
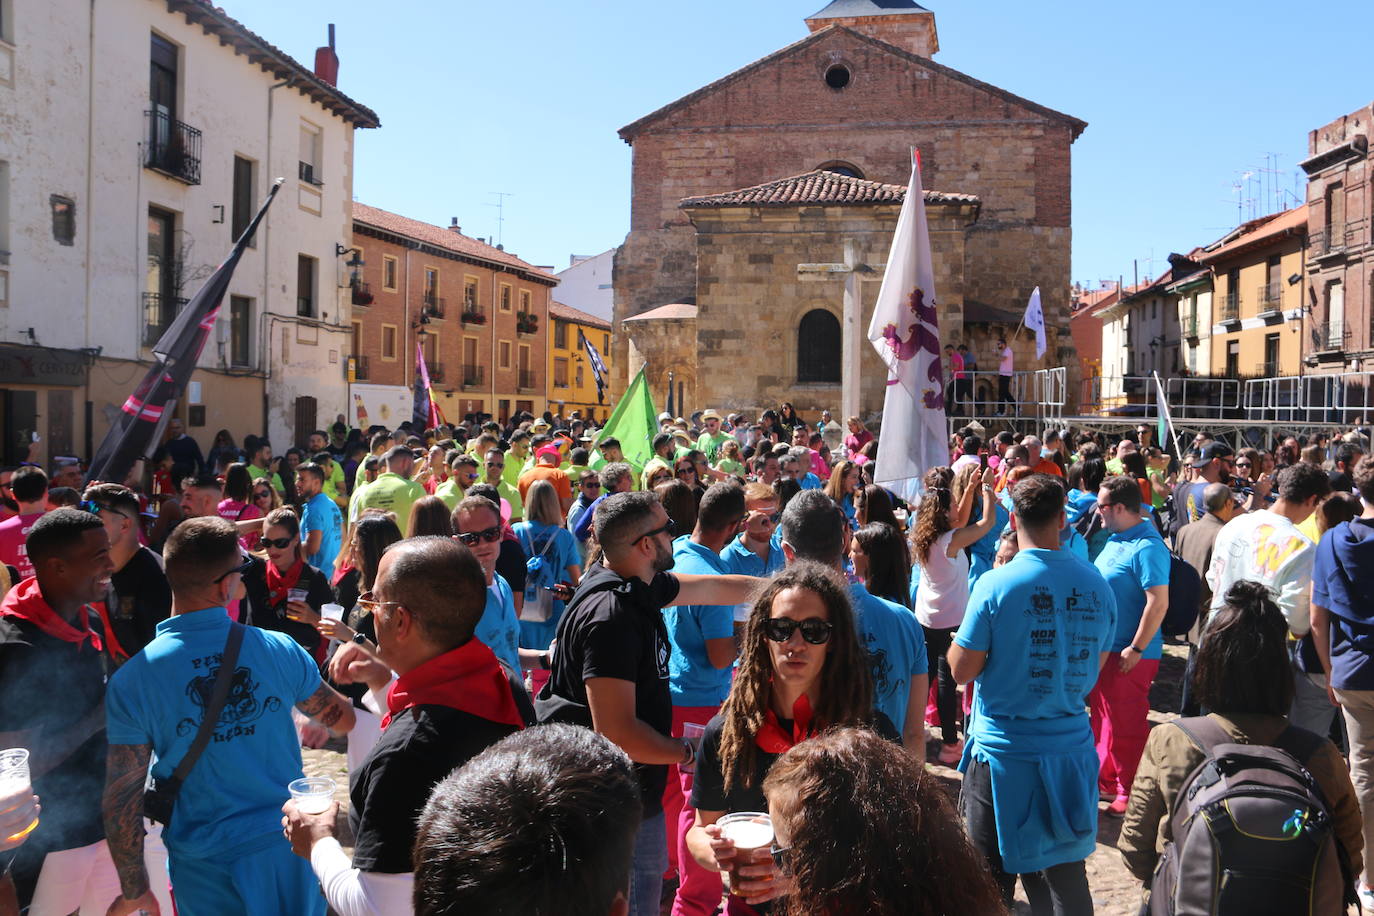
x=562, y=679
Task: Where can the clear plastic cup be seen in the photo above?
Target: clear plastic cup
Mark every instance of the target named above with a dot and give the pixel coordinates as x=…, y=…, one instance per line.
x=297, y=594
x=312, y=794
x=332, y=611
x=693, y=733
x=15, y=785
x=752, y=833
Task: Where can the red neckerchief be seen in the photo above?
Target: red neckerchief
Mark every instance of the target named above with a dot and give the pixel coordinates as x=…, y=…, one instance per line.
x=341, y=572
x=771, y=738
x=26, y=602
x=279, y=584
x=468, y=678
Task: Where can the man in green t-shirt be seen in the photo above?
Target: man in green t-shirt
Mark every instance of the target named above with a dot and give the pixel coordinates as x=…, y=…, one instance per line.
x=462, y=474
x=517, y=456
x=379, y=444
x=710, y=441
x=258, y=462
x=393, y=490
x=495, y=468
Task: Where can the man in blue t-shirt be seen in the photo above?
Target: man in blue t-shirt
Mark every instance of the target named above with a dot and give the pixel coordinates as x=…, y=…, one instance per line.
x=225, y=844
x=758, y=549
x=321, y=521
x=703, y=653
x=477, y=524
x=813, y=529
x=1135, y=563
x=1035, y=635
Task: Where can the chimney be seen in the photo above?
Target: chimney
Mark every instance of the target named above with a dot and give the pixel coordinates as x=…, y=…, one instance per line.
x=327, y=62
x=454, y=227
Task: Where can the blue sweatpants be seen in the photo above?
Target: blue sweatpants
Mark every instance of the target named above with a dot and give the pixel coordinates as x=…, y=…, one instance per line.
x=270, y=879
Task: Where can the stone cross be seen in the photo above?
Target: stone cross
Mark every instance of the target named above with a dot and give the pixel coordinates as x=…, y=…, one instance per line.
x=854, y=334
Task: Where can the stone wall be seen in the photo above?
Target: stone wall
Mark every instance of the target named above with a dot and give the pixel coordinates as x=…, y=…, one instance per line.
x=779, y=118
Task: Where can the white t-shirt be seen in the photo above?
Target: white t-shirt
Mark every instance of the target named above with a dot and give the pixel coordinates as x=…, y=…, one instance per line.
x=1266, y=547
x=943, y=592
x=1005, y=368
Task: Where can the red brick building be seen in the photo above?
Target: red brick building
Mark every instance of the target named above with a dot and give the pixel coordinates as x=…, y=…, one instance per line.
x=479, y=313
x=853, y=97
x=1340, y=246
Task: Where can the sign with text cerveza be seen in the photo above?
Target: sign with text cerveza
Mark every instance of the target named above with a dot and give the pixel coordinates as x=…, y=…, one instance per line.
x=41, y=366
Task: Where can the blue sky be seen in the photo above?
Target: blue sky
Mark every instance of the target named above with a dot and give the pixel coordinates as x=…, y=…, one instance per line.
x=525, y=98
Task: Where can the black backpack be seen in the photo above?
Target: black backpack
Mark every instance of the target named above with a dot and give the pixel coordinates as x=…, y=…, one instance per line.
x=1185, y=597
x=1251, y=833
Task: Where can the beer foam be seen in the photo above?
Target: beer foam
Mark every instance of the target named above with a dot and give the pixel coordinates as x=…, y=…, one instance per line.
x=314, y=804
x=748, y=834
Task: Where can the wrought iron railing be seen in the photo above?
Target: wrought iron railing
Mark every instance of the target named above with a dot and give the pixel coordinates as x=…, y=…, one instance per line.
x=171, y=147
x=159, y=312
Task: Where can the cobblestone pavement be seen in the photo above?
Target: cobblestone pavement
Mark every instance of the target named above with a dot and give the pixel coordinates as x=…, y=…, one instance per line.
x=1115, y=892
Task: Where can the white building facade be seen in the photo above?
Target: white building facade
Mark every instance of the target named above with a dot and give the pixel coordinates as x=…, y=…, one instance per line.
x=137, y=138
x=586, y=284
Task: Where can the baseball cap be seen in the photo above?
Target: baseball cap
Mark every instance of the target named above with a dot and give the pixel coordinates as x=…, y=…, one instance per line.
x=665, y=417
x=1212, y=451
x=549, y=451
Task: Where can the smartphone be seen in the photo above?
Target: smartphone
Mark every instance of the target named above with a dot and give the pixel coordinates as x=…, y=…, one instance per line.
x=983, y=460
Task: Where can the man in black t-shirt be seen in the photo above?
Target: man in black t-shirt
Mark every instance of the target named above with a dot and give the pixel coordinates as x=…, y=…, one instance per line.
x=451, y=700
x=610, y=662
x=139, y=597
x=54, y=662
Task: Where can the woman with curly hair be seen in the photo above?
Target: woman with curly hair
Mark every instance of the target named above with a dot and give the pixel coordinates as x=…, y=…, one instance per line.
x=938, y=541
x=861, y=827
x=802, y=669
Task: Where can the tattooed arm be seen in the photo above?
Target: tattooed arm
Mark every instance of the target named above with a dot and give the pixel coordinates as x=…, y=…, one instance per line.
x=329, y=708
x=126, y=771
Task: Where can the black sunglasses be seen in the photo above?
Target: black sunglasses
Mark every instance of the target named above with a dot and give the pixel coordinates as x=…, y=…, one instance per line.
x=96, y=508
x=591, y=485
x=279, y=543
x=669, y=529
x=241, y=568
x=813, y=629
x=490, y=535
x=686, y=470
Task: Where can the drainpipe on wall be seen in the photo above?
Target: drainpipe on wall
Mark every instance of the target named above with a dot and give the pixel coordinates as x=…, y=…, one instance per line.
x=264, y=327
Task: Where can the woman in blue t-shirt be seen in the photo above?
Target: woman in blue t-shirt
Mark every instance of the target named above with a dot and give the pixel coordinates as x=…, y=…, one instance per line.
x=844, y=480
x=553, y=562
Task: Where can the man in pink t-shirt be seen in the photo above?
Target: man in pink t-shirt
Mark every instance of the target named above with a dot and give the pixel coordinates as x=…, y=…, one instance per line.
x=30, y=488
x=956, y=371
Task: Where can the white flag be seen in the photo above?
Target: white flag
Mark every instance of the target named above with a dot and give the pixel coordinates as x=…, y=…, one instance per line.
x=906, y=333
x=1035, y=320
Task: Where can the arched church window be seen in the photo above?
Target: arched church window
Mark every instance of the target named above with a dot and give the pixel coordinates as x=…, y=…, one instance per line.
x=840, y=167
x=818, y=347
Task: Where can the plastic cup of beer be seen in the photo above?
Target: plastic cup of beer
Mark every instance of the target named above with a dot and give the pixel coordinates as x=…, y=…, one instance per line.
x=332, y=611
x=752, y=834
x=15, y=786
x=297, y=594
x=312, y=794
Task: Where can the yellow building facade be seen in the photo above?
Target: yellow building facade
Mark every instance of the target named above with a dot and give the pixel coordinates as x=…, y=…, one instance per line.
x=1257, y=307
x=572, y=381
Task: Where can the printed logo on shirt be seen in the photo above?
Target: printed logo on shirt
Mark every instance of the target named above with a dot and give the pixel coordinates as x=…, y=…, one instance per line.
x=663, y=651
x=1271, y=552
x=241, y=709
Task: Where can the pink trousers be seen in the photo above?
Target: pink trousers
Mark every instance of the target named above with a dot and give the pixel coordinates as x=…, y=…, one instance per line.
x=1119, y=708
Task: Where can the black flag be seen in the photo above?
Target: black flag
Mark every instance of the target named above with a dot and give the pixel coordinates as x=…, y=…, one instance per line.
x=145, y=414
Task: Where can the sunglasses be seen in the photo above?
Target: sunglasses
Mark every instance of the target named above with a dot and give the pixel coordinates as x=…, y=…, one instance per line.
x=780, y=855
x=279, y=543
x=669, y=529
x=263, y=494
x=369, y=605
x=687, y=470
x=772, y=518
x=1242, y=464
x=591, y=485
x=240, y=569
x=813, y=629
x=96, y=508
x=490, y=535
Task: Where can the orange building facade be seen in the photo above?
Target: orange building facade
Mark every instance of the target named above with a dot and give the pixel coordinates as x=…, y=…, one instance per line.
x=480, y=315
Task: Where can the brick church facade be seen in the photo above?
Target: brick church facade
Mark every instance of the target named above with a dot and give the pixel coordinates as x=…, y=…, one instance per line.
x=706, y=284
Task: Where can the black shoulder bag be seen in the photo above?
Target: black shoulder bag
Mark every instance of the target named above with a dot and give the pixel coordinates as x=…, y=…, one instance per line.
x=159, y=801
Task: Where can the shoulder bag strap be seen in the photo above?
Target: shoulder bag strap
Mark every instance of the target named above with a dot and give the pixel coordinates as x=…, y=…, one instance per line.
x=1204, y=732
x=223, y=680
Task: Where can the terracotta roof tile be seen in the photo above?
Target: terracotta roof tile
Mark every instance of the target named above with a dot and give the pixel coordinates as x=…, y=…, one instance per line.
x=675, y=310
x=568, y=313
x=1257, y=231
x=273, y=59
x=819, y=187
x=440, y=237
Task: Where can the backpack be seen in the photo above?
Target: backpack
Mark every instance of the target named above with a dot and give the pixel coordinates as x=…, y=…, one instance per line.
x=1185, y=597
x=1251, y=833
x=538, y=606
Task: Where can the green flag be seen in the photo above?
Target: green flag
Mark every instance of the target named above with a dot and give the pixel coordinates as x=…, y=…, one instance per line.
x=634, y=422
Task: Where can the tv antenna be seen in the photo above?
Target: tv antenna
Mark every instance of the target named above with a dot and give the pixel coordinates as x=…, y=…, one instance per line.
x=500, y=206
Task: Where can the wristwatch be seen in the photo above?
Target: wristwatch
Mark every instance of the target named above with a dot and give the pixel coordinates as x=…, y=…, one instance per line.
x=360, y=639
x=1135, y=650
